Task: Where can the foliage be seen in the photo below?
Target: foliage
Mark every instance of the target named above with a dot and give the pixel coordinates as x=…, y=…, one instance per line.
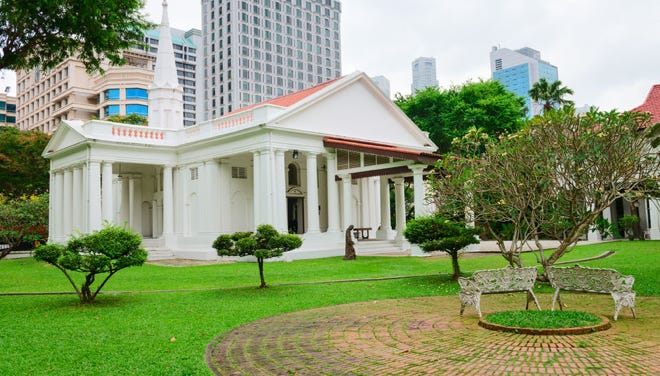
x=23, y=220
x=22, y=169
x=448, y=114
x=627, y=223
x=553, y=178
x=106, y=251
x=550, y=95
x=544, y=319
x=605, y=228
x=653, y=134
x=264, y=244
x=438, y=234
x=43, y=33
x=134, y=119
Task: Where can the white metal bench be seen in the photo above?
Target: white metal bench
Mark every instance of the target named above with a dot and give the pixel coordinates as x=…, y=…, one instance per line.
x=497, y=281
x=600, y=281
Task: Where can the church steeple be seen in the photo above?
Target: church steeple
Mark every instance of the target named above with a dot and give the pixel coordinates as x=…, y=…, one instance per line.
x=165, y=94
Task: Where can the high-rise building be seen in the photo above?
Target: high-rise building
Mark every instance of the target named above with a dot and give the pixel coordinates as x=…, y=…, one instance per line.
x=520, y=69
x=7, y=110
x=256, y=50
x=382, y=83
x=67, y=92
x=424, y=74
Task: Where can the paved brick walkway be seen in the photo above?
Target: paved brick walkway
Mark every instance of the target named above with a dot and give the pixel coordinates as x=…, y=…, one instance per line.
x=426, y=336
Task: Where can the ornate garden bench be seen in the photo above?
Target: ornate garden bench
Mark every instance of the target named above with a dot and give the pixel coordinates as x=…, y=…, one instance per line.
x=601, y=281
x=497, y=281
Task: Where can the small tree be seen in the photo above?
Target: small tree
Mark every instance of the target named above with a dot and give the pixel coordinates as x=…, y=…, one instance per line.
x=265, y=243
x=550, y=95
x=23, y=220
x=628, y=223
x=438, y=234
x=102, y=252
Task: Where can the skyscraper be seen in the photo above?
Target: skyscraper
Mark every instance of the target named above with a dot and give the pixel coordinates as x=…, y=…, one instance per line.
x=383, y=84
x=256, y=50
x=424, y=75
x=518, y=70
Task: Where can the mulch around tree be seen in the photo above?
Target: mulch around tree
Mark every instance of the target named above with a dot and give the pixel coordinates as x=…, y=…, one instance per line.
x=422, y=336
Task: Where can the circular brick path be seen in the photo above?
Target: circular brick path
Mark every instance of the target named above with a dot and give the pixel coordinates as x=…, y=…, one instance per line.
x=423, y=336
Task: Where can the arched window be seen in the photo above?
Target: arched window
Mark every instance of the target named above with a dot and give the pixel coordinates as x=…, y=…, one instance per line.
x=293, y=174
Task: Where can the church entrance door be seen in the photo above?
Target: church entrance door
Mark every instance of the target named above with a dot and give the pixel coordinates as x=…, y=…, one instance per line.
x=295, y=214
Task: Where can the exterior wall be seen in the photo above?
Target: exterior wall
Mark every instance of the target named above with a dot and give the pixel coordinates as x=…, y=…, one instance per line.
x=7, y=110
x=423, y=73
x=258, y=50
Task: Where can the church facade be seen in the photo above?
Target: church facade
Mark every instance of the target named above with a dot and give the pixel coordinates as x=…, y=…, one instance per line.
x=311, y=162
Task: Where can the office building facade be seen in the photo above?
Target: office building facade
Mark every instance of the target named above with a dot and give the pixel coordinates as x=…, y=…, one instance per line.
x=424, y=74
x=382, y=83
x=255, y=50
x=7, y=110
x=518, y=70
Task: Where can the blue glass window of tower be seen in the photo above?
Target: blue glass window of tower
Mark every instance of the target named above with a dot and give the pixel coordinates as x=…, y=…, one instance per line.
x=136, y=93
x=549, y=72
x=11, y=119
x=2, y=105
x=138, y=109
x=111, y=94
x=2, y=118
x=11, y=108
x=111, y=110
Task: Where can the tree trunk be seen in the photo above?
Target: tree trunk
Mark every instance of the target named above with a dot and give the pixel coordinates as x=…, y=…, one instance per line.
x=86, y=295
x=260, y=261
x=4, y=252
x=454, y=264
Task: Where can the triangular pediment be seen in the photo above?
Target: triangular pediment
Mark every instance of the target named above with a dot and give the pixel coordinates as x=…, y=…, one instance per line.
x=67, y=136
x=355, y=109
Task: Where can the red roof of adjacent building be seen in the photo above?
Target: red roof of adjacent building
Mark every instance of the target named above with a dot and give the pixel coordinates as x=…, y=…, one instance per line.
x=289, y=99
x=651, y=104
x=381, y=149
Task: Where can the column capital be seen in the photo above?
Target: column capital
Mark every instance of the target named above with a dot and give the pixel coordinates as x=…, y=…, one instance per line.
x=398, y=180
x=310, y=153
x=417, y=169
x=344, y=176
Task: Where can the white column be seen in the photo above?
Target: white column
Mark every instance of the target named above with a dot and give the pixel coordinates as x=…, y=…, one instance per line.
x=347, y=198
x=400, y=205
x=58, y=205
x=209, y=199
x=51, y=207
x=256, y=192
x=67, y=212
x=266, y=199
x=419, y=190
x=224, y=193
x=94, y=199
x=77, y=220
x=654, y=218
x=312, y=195
x=280, y=192
x=106, y=193
x=385, y=216
x=131, y=202
x=168, y=202
x=333, y=194
x=84, y=197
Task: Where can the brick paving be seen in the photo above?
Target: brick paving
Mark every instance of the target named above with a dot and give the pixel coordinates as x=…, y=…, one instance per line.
x=426, y=336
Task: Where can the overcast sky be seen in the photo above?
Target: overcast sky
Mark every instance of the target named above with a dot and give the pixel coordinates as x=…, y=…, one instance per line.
x=607, y=51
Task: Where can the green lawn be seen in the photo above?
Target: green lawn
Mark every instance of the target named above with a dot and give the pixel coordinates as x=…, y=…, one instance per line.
x=167, y=333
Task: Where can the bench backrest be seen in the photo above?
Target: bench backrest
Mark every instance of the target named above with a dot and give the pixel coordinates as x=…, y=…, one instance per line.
x=578, y=278
x=502, y=280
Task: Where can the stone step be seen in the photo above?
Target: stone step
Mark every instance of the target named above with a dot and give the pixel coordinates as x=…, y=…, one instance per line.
x=154, y=255
x=378, y=247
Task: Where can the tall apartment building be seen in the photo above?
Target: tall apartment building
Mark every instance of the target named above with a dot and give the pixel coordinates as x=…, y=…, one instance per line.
x=518, y=70
x=424, y=74
x=7, y=110
x=68, y=92
x=382, y=83
x=255, y=50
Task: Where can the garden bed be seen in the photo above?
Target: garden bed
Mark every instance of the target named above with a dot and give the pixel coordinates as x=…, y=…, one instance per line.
x=545, y=322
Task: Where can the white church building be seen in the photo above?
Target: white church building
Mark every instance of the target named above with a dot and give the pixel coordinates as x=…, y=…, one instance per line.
x=312, y=162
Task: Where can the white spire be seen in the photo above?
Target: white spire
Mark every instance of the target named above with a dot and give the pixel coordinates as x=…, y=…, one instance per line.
x=165, y=94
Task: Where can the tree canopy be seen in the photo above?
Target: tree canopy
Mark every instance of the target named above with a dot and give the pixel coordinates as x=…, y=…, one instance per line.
x=45, y=32
x=23, y=171
x=550, y=95
x=23, y=220
x=134, y=119
x=447, y=114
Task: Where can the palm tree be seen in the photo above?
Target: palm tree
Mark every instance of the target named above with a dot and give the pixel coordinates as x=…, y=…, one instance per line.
x=550, y=94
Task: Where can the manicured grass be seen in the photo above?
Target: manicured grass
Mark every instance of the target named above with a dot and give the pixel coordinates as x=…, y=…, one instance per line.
x=544, y=319
x=166, y=333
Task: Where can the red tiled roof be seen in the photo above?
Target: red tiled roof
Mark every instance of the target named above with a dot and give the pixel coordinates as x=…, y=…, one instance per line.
x=289, y=99
x=651, y=104
x=381, y=149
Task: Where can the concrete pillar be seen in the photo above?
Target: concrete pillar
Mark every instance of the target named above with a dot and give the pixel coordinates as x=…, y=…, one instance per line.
x=654, y=219
x=131, y=203
x=209, y=197
x=347, y=198
x=78, y=198
x=385, y=216
x=224, y=193
x=106, y=193
x=266, y=200
x=400, y=209
x=419, y=190
x=333, y=194
x=95, y=216
x=67, y=212
x=51, y=206
x=168, y=202
x=256, y=192
x=58, y=205
x=312, y=195
x=279, y=192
